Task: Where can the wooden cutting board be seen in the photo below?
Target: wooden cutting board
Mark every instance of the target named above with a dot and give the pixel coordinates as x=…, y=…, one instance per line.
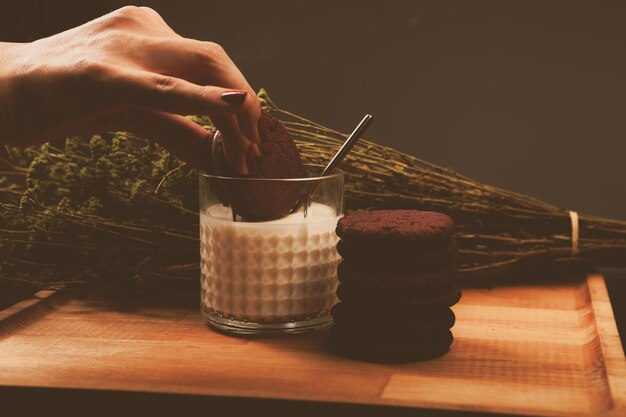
x=537, y=350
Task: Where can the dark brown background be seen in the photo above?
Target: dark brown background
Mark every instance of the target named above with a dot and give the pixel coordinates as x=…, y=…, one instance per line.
x=526, y=95
x=520, y=94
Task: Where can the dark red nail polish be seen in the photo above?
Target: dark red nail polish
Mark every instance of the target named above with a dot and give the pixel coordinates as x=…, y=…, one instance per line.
x=234, y=97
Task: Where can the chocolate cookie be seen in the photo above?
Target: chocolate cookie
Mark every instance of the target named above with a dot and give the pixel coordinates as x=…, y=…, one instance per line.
x=394, y=281
x=369, y=347
x=280, y=159
x=398, y=257
x=432, y=320
x=397, y=302
x=427, y=229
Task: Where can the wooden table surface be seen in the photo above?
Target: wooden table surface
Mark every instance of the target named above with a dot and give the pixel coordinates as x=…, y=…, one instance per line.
x=533, y=350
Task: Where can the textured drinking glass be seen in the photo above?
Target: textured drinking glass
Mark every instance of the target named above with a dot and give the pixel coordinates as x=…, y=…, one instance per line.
x=268, y=277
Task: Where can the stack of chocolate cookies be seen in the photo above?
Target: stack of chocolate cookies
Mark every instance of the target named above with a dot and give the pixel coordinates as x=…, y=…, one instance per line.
x=396, y=286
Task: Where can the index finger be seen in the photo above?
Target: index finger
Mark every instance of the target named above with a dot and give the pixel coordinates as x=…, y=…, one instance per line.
x=206, y=63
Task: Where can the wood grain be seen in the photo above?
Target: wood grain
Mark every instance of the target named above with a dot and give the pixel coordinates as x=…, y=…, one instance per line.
x=535, y=350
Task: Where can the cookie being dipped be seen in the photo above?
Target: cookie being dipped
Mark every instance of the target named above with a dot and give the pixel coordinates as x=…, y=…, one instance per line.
x=280, y=159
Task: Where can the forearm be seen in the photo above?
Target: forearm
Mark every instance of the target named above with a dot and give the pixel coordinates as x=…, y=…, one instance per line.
x=8, y=58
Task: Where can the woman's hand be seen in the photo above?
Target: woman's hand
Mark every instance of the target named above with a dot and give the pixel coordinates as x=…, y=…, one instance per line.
x=127, y=70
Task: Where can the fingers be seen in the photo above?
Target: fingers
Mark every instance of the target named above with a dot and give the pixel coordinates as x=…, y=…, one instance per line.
x=205, y=63
x=235, y=143
x=220, y=70
x=189, y=141
x=155, y=92
x=172, y=95
x=182, y=137
x=184, y=76
x=249, y=119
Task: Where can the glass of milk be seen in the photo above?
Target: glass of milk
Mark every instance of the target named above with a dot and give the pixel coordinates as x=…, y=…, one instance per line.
x=273, y=276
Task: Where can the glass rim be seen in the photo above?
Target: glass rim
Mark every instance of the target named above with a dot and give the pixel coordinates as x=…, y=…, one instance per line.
x=336, y=174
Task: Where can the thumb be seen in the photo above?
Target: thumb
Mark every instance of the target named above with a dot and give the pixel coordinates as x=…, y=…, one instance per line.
x=182, y=137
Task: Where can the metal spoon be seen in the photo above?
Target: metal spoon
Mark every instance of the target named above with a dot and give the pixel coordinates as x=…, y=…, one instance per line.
x=347, y=145
x=339, y=156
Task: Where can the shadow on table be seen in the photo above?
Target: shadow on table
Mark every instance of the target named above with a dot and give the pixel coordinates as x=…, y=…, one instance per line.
x=616, y=285
x=88, y=402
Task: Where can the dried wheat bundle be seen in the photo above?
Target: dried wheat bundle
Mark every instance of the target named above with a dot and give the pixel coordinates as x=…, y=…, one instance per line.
x=120, y=210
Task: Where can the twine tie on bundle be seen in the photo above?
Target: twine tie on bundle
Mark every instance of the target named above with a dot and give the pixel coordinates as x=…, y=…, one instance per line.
x=574, y=220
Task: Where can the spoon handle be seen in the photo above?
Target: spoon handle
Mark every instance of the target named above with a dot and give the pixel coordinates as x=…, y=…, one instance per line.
x=347, y=145
x=339, y=156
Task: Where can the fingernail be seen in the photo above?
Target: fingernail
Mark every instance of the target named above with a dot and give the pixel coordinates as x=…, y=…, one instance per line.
x=234, y=97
